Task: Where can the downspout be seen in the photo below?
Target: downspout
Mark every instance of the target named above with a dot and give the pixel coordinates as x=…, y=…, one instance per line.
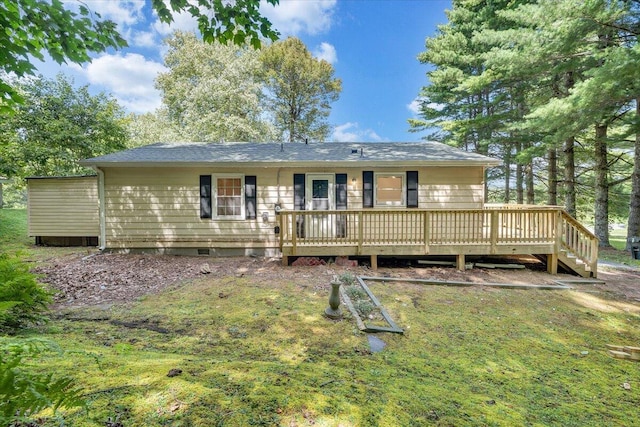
x=101, y=206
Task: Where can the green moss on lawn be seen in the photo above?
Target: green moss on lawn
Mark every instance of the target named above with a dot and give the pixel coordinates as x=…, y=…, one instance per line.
x=265, y=355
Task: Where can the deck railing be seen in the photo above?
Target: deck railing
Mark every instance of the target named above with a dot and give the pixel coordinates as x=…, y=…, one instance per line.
x=493, y=227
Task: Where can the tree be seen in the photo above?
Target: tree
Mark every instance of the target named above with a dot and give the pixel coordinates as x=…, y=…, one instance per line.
x=149, y=128
x=212, y=92
x=555, y=77
x=300, y=89
x=32, y=27
x=56, y=126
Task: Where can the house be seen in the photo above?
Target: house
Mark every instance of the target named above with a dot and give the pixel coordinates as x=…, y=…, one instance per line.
x=323, y=199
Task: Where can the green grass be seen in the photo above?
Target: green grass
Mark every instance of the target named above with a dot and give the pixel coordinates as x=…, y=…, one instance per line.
x=13, y=230
x=618, y=240
x=265, y=355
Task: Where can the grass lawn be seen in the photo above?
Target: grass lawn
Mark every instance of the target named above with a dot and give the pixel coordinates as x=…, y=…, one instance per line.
x=250, y=354
x=13, y=230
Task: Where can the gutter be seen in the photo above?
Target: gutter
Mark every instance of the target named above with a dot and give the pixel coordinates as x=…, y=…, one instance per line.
x=101, y=206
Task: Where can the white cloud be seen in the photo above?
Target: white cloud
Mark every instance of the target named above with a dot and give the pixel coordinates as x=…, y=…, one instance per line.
x=182, y=21
x=293, y=17
x=351, y=132
x=120, y=12
x=414, y=106
x=327, y=52
x=130, y=78
x=145, y=39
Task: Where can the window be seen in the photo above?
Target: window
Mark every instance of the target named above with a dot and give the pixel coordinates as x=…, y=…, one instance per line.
x=229, y=197
x=389, y=189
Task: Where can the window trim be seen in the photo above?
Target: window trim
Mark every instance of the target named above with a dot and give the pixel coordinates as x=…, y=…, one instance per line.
x=214, y=196
x=403, y=190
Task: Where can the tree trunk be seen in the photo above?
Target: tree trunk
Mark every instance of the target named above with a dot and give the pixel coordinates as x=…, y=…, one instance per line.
x=552, y=195
x=507, y=173
x=601, y=212
x=570, y=177
x=633, y=224
x=531, y=195
x=519, y=178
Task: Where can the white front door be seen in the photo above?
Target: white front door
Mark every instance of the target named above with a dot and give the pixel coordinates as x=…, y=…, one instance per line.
x=321, y=197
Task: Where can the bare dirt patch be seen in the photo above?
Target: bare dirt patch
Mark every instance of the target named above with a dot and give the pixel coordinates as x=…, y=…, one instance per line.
x=81, y=280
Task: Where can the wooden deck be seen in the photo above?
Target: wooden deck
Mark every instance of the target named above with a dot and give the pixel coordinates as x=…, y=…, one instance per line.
x=548, y=232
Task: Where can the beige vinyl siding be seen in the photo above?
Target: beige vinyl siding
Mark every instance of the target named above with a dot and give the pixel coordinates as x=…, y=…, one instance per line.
x=438, y=187
x=63, y=207
x=160, y=208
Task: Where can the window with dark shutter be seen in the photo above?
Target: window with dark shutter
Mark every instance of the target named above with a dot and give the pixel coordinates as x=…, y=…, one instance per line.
x=298, y=191
x=250, y=197
x=412, y=189
x=298, y=201
x=367, y=189
x=205, y=196
x=341, y=204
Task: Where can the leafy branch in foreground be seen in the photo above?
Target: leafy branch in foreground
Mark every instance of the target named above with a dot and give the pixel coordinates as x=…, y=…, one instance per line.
x=24, y=393
x=23, y=300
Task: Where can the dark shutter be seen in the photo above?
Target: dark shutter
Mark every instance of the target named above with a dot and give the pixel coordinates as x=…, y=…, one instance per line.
x=412, y=189
x=367, y=189
x=205, y=196
x=341, y=191
x=298, y=191
x=298, y=201
x=341, y=204
x=250, y=197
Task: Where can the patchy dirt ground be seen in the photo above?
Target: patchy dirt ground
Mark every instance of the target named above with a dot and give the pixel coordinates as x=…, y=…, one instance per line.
x=85, y=280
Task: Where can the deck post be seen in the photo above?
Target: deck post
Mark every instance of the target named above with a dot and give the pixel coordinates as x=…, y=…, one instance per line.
x=427, y=232
x=294, y=231
x=360, y=231
x=494, y=231
x=460, y=262
x=374, y=262
x=552, y=263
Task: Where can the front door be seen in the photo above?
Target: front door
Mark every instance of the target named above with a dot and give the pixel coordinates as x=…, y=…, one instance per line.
x=321, y=188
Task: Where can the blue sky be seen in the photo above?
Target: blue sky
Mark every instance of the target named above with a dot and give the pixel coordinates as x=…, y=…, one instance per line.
x=372, y=44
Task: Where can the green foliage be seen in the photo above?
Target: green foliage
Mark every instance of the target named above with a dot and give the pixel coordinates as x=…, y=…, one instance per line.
x=347, y=279
x=32, y=27
x=56, y=126
x=529, y=81
x=23, y=392
x=23, y=300
x=355, y=292
x=238, y=22
x=300, y=90
x=13, y=230
x=211, y=92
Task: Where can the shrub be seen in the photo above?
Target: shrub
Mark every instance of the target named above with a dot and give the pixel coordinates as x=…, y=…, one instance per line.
x=347, y=279
x=356, y=293
x=22, y=299
x=24, y=393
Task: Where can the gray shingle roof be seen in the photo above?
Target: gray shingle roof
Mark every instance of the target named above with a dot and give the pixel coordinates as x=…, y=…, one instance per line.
x=188, y=154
